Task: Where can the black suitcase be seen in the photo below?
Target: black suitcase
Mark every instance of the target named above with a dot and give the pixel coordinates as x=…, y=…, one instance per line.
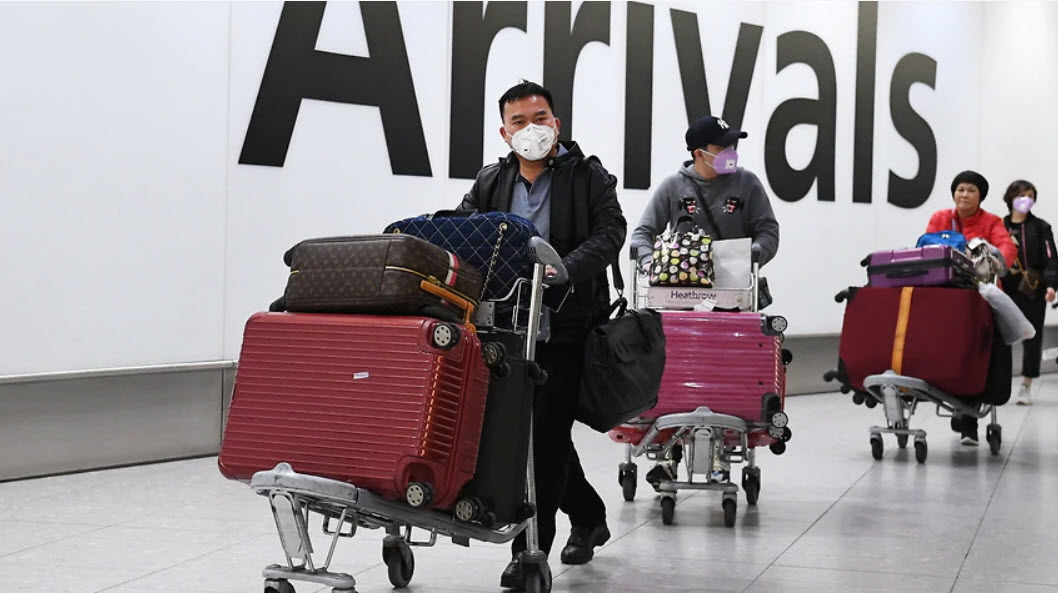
x=378, y=274
x=499, y=482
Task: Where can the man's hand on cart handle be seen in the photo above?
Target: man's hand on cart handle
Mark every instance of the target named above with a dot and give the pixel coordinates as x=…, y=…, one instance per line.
x=644, y=262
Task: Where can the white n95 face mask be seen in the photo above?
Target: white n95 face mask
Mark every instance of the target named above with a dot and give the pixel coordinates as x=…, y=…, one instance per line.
x=533, y=142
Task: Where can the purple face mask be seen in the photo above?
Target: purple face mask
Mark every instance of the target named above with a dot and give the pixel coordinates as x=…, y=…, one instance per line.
x=1023, y=204
x=725, y=161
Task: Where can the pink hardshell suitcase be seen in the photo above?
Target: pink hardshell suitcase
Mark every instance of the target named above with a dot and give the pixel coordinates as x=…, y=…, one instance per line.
x=724, y=361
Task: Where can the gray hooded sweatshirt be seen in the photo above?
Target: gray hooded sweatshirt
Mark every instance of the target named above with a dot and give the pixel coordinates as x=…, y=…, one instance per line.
x=737, y=201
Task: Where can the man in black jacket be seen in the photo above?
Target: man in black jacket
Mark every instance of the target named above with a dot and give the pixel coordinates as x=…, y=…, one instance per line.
x=572, y=200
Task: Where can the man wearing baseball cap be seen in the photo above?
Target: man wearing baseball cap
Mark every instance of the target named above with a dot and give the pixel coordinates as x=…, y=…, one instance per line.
x=724, y=200
x=734, y=196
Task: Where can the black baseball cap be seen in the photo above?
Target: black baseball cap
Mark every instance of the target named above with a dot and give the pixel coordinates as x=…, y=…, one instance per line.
x=711, y=130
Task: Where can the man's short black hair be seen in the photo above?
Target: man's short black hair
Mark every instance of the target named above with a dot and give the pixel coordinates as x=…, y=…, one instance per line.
x=522, y=90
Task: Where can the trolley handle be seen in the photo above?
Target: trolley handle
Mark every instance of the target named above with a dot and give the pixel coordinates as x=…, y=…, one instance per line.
x=544, y=253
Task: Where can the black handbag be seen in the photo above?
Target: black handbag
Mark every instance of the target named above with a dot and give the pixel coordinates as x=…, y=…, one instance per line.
x=623, y=362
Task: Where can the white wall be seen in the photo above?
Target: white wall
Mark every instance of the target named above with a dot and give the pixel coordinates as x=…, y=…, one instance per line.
x=131, y=234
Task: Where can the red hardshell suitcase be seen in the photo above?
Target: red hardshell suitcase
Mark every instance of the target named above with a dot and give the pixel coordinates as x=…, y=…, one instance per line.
x=724, y=361
x=945, y=337
x=380, y=402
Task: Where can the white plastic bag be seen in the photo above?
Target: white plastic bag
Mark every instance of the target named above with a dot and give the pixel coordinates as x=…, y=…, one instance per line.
x=1013, y=326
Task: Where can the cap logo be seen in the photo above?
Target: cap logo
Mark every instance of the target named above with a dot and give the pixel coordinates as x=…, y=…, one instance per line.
x=722, y=123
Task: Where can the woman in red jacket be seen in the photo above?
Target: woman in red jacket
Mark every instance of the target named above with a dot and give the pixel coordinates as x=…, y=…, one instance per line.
x=968, y=189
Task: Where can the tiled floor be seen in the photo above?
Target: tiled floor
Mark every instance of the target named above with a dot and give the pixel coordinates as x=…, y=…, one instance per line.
x=830, y=519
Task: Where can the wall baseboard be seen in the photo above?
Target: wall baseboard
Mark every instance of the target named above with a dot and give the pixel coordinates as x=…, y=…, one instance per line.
x=63, y=425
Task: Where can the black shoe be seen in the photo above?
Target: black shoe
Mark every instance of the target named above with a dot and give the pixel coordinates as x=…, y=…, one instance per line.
x=513, y=576
x=582, y=541
x=661, y=472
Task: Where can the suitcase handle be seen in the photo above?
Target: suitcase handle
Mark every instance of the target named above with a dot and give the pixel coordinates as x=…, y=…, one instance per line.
x=907, y=273
x=450, y=296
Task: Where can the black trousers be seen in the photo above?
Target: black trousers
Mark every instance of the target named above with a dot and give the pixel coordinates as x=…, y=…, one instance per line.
x=1035, y=309
x=997, y=386
x=560, y=480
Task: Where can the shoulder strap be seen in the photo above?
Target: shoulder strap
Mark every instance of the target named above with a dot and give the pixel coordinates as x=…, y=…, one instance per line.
x=708, y=212
x=615, y=267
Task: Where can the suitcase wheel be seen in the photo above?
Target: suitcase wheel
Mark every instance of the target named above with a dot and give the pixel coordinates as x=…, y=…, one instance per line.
x=445, y=336
x=494, y=353
x=787, y=358
x=775, y=325
x=780, y=419
x=467, y=510
x=778, y=448
x=418, y=494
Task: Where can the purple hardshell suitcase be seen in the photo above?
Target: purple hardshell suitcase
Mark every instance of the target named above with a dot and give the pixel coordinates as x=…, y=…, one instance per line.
x=931, y=265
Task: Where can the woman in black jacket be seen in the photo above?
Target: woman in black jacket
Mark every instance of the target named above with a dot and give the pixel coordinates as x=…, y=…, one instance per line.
x=1034, y=275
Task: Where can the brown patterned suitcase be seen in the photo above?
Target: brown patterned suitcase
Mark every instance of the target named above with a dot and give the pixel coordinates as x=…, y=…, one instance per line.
x=379, y=274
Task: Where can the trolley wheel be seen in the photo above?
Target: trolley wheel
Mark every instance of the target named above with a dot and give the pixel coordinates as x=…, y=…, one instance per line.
x=278, y=586
x=668, y=509
x=994, y=435
x=751, y=486
x=730, y=507
x=921, y=451
x=859, y=397
x=537, y=578
x=627, y=479
x=444, y=336
x=418, y=494
x=400, y=562
x=876, y=446
x=778, y=447
x=901, y=441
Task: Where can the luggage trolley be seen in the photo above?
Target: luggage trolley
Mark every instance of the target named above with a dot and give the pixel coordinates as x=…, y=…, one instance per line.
x=900, y=395
x=344, y=507
x=706, y=441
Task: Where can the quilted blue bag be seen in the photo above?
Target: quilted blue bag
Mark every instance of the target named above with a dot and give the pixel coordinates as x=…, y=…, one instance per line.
x=953, y=239
x=496, y=243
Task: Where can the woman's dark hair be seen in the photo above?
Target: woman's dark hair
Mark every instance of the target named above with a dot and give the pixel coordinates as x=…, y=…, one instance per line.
x=1018, y=188
x=971, y=177
x=522, y=90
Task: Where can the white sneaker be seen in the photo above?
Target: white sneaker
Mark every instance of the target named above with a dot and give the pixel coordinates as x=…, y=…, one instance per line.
x=969, y=442
x=1025, y=395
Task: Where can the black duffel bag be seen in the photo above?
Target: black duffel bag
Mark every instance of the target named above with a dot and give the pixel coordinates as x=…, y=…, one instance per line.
x=623, y=362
